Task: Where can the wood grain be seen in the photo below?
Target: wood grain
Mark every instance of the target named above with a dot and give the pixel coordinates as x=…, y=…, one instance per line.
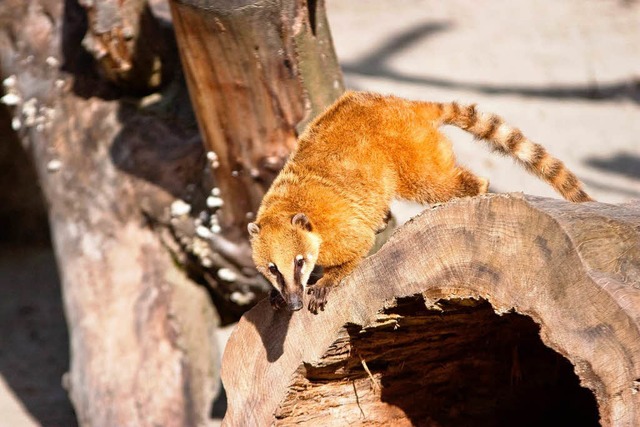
x=563, y=275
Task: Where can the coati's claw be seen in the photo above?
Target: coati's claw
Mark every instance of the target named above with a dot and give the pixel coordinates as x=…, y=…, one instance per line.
x=276, y=300
x=318, y=297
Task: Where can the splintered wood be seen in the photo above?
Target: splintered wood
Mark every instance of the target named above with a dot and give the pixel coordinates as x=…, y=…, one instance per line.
x=498, y=310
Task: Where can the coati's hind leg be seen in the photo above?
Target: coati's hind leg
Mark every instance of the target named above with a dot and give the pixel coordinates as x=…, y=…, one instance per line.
x=468, y=184
x=458, y=182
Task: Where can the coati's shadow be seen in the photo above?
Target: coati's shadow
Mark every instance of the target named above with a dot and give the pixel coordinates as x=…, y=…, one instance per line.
x=272, y=326
x=622, y=163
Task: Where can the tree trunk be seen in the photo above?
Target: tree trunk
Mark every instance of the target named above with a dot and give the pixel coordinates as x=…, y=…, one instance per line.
x=143, y=350
x=495, y=310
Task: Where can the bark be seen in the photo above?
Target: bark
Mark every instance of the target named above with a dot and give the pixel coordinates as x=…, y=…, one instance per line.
x=143, y=350
x=496, y=310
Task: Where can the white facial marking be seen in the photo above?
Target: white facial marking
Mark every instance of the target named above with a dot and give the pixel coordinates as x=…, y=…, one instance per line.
x=298, y=259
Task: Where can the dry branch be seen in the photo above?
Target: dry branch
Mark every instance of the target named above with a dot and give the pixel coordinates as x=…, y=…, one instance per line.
x=421, y=313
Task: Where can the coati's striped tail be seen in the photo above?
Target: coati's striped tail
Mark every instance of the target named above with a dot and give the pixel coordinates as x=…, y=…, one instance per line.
x=510, y=141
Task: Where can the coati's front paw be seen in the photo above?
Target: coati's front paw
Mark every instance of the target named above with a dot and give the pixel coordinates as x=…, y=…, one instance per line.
x=318, y=297
x=276, y=300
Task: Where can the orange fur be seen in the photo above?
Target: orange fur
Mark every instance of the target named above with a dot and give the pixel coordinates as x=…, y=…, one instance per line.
x=362, y=152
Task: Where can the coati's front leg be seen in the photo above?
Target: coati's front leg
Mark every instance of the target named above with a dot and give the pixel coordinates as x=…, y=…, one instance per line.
x=331, y=278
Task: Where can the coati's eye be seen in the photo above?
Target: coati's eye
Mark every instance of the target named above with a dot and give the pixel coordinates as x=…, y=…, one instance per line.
x=273, y=269
x=299, y=262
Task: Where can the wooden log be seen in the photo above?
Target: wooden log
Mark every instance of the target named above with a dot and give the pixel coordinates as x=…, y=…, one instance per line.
x=142, y=342
x=495, y=310
x=256, y=71
x=96, y=99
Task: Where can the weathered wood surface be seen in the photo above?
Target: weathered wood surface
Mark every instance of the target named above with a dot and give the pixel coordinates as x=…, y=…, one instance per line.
x=143, y=348
x=247, y=79
x=571, y=270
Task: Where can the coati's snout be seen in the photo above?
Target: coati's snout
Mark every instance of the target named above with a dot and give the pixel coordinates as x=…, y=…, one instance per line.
x=285, y=253
x=294, y=301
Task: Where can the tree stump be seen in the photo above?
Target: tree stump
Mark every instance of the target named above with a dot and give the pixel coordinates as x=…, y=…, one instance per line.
x=495, y=310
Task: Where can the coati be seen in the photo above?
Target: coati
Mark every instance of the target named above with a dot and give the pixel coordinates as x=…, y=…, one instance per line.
x=333, y=194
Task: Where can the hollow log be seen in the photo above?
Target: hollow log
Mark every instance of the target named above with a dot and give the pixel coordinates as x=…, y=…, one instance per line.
x=494, y=310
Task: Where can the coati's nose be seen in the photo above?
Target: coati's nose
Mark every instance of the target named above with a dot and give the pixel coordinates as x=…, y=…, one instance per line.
x=295, y=302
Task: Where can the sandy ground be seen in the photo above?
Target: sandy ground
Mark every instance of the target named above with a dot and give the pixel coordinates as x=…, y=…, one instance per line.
x=566, y=73
x=33, y=341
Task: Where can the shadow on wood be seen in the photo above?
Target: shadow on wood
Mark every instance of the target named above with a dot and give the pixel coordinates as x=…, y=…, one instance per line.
x=496, y=310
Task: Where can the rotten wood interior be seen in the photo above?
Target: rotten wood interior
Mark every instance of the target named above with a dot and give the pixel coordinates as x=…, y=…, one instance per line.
x=455, y=363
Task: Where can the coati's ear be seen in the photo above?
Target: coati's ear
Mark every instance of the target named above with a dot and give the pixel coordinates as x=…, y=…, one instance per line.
x=253, y=228
x=301, y=221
